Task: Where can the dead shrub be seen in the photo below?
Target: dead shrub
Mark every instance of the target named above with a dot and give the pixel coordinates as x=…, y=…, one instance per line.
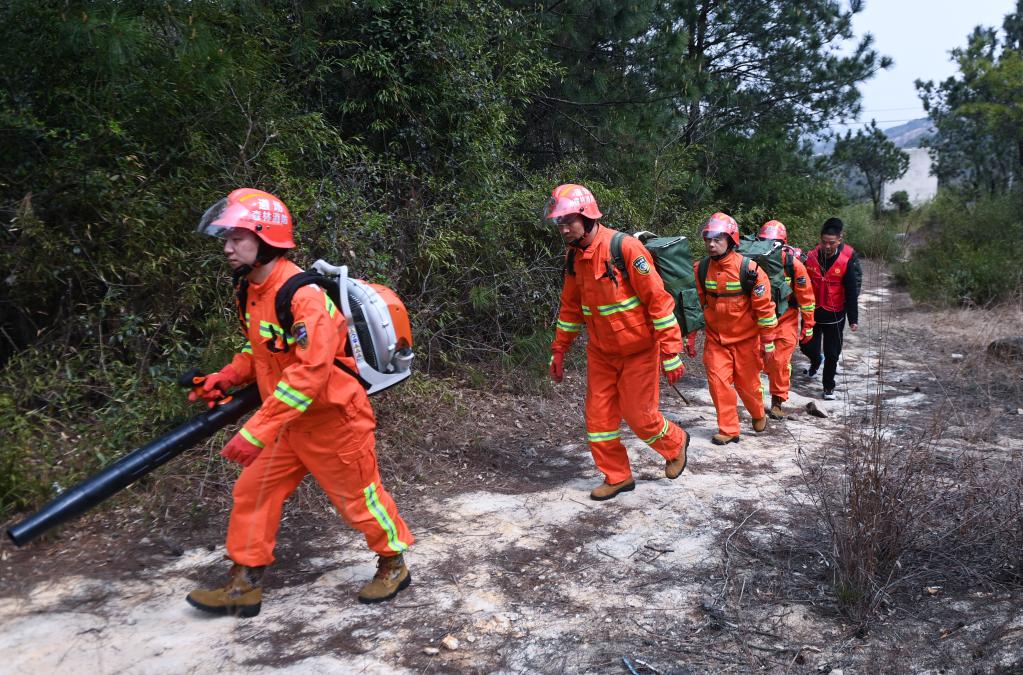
x=902, y=511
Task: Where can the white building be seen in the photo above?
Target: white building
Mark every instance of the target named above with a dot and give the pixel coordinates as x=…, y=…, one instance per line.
x=917, y=181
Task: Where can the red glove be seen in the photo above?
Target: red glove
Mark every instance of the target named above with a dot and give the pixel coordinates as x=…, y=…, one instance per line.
x=240, y=449
x=215, y=385
x=691, y=345
x=673, y=367
x=557, y=369
x=806, y=335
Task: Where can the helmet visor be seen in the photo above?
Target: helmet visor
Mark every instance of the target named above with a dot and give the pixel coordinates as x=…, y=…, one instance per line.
x=560, y=210
x=715, y=227
x=221, y=218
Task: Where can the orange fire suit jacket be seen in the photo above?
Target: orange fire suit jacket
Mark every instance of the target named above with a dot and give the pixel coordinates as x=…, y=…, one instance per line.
x=802, y=290
x=731, y=315
x=302, y=385
x=622, y=316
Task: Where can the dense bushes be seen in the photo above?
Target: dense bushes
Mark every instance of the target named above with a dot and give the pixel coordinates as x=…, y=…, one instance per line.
x=969, y=252
x=395, y=131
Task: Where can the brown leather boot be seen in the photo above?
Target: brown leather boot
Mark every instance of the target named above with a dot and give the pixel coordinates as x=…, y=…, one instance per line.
x=391, y=578
x=609, y=490
x=776, y=412
x=674, y=468
x=760, y=424
x=242, y=596
x=721, y=439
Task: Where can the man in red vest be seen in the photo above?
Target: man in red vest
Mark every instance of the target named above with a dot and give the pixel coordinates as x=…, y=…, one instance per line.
x=835, y=274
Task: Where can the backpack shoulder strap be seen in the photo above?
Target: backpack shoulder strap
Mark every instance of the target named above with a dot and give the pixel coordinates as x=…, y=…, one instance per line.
x=616, y=254
x=285, y=294
x=286, y=317
x=748, y=275
x=701, y=274
x=241, y=295
x=570, y=263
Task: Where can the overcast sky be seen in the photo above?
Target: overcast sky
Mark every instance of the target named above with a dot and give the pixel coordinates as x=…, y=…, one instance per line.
x=918, y=35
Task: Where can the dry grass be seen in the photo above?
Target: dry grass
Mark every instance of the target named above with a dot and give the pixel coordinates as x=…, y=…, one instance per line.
x=906, y=504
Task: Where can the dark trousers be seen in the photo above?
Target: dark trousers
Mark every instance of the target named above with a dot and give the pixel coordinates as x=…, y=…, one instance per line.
x=829, y=337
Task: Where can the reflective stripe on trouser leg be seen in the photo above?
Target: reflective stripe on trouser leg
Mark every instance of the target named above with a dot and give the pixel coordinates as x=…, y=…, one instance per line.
x=603, y=417
x=717, y=359
x=259, y=495
x=746, y=375
x=639, y=393
x=342, y=458
x=780, y=369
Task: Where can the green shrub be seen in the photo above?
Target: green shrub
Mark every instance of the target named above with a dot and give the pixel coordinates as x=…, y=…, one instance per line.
x=971, y=251
x=873, y=238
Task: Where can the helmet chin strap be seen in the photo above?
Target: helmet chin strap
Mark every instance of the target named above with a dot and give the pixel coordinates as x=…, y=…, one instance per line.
x=240, y=273
x=728, y=250
x=577, y=243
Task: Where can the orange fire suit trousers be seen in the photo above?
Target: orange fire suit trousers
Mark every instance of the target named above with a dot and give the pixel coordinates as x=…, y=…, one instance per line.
x=629, y=387
x=732, y=368
x=779, y=368
x=342, y=458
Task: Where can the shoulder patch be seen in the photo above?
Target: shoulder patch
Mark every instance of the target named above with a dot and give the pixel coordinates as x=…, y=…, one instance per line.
x=641, y=265
x=301, y=335
x=800, y=281
x=759, y=290
x=837, y=270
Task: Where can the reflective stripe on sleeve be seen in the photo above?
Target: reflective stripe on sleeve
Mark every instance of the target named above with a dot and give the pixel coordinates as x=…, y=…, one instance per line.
x=808, y=308
x=769, y=347
x=770, y=321
x=569, y=327
x=247, y=349
x=672, y=363
x=665, y=322
x=251, y=439
x=291, y=396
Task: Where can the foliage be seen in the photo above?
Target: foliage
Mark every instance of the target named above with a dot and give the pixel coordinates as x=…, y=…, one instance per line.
x=652, y=90
x=965, y=260
x=414, y=141
x=979, y=112
x=900, y=200
x=385, y=127
x=875, y=156
x=871, y=237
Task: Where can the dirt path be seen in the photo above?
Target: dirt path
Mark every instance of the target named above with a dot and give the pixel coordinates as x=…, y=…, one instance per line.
x=529, y=577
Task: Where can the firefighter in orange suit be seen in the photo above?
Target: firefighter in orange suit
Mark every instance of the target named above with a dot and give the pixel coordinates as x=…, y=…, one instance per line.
x=633, y=334
x=801, y=306
x=740, y=327
x=315, y=418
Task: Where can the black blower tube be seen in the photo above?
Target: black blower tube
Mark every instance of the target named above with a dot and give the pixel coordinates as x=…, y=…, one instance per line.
x=125, y=471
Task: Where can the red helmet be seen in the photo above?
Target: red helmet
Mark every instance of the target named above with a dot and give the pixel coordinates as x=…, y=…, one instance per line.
x=774, y=229
x=721, y=223
x=249, y=209
x=570, y=199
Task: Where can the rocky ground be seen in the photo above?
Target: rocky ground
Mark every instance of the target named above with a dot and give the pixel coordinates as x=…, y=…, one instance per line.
x=723, y=570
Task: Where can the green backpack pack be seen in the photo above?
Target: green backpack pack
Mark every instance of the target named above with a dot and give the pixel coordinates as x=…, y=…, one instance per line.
x=767, y=256
x=674, y=263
